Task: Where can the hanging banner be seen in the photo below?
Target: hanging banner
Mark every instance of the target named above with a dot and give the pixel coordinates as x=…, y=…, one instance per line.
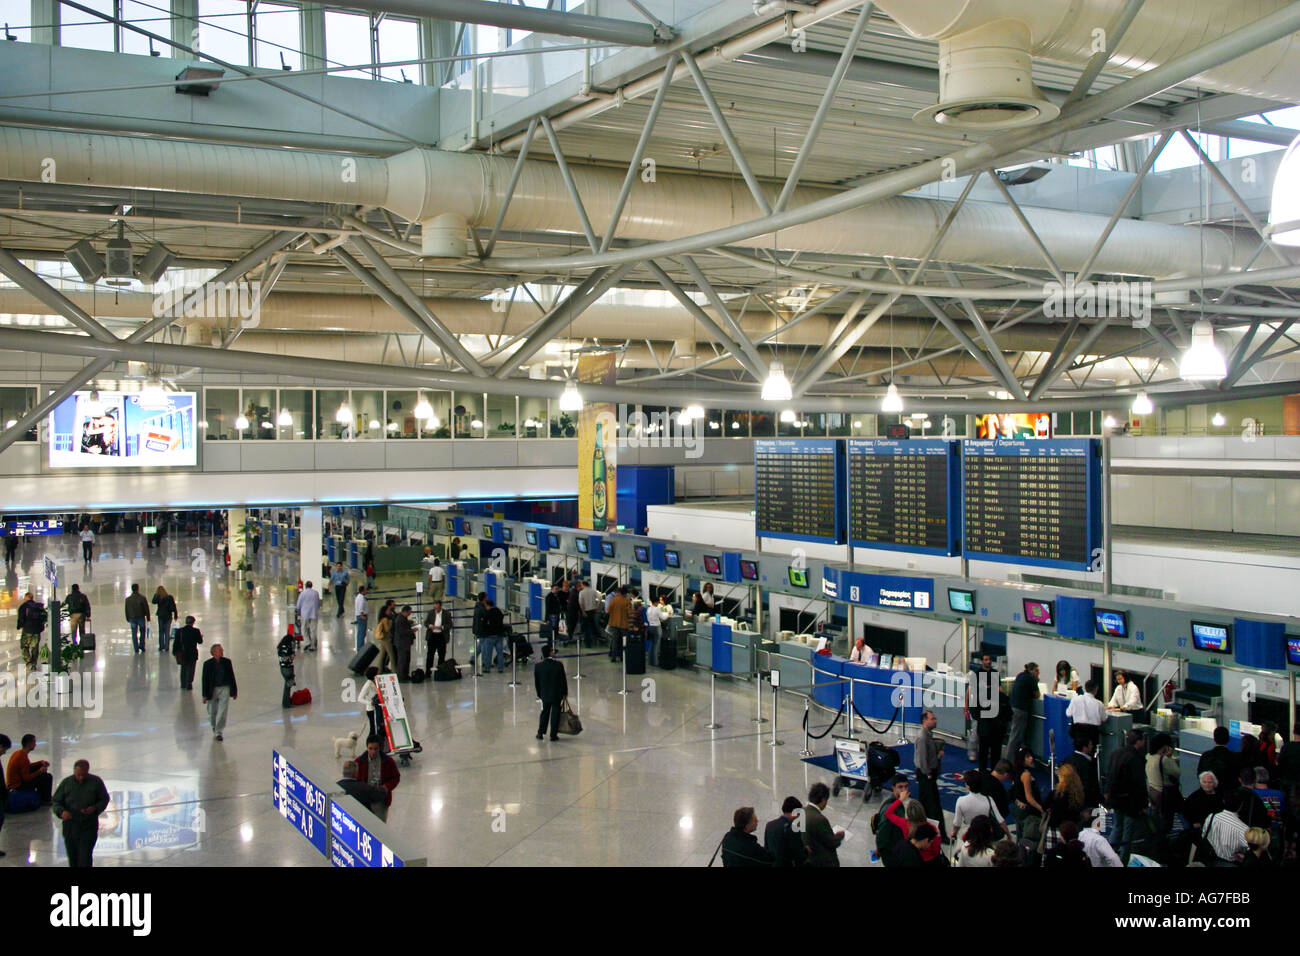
x=597, y=447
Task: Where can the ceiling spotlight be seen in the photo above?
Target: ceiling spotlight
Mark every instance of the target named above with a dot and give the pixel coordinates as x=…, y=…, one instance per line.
x=1202, y=362
x=1142, y=405
x=1218, y=421
x=241, y=422
x=892, y=402
x=344, y=415
x=787, y=415
x=198, y=80
x=284, y=419
x=571, y=398
x=777, y=387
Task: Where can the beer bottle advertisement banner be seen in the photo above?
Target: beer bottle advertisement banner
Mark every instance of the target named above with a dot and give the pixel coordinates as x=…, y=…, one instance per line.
x=597, y=448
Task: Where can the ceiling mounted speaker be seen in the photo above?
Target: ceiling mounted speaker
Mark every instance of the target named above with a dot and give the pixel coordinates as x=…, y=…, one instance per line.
x=119, y=258
x=86, y=261
x=154, y=263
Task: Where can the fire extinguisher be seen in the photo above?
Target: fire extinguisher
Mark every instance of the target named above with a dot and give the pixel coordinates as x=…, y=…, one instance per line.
x=1169, y=691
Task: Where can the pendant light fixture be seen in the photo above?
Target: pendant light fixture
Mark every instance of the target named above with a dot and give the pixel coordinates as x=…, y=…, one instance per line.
x=693, y=412
x=892, y=403
x=1202, y=362
x=284, y=419
x=423, y=410
x=1218, y=421
x=777, y=387
x=241, y=422
x=94, y=405
x=153, y=395
x=571, y=398
x=1284, y=214
x=788, y=416
x=1142, y=405
x=344, y=414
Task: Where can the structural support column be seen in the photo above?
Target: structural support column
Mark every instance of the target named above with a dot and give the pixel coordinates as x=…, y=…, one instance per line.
x=236, y=518
x=311, y=542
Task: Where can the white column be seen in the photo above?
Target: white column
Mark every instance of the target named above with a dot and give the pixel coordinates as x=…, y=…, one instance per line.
x=236, y=518
x=310, y=542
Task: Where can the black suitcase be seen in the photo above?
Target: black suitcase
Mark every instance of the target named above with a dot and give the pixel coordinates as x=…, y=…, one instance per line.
x=363, y=658
x=87, y=642
x=667, y=653
x=634, y=654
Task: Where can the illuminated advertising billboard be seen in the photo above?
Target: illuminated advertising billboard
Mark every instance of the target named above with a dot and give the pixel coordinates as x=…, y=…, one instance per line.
x=114, y=430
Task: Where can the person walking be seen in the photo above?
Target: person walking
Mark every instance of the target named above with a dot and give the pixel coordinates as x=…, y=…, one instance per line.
x=136, y=609
x=11, y=550
x=619, y=624
x=339, y=580
x=361, y=609
x=552, y=686
x=185, y=648
x=32, y=617
x=403, y=639
x=437, y=581
x=495, y=625
x=78, y=802
x=437, y=629
x=383, y=639
x=219, y=688
x=308, y=608
x=928, y=755
x=87, y=545
x=166, y=605
x=78, y=606
x=379, y=770
x=1024, y=692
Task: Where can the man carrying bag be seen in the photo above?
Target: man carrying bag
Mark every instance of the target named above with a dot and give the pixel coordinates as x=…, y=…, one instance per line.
x=553, y=689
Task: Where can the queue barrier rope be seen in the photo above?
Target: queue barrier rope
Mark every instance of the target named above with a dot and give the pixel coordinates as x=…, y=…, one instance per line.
x=838, y=714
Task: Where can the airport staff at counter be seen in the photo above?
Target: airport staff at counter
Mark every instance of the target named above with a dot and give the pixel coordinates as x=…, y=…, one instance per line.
x=1054, y=719
x=1127, y=696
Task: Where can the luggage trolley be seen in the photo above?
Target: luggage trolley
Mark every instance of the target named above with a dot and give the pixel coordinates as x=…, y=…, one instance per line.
x=397, y=728
x=868, y=765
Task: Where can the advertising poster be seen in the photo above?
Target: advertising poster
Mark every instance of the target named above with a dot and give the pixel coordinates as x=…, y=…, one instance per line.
x=1014, y=425
x=115, y=430
x=597, y=448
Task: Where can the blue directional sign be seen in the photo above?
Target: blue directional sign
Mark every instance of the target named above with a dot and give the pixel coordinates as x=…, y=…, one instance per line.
x=22, y=529
x=303, y=820
x=353, y=842
x=300, y=801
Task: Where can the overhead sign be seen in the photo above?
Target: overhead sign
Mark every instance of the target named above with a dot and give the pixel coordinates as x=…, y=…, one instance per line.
x=51, y=571
x=905, y=495
x=353, y=842
x=799, y=489
x=114, y=430
x=878, y=590
x=300, y=800
x=22, y=529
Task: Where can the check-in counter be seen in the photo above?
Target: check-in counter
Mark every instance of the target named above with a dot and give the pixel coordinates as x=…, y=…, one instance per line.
x=1048, y=721
x=741, y=661
x=876, y=691
x=797, y=672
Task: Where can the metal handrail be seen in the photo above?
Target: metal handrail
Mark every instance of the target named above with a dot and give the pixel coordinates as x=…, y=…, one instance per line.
x=1156, y=696
x=943, y=654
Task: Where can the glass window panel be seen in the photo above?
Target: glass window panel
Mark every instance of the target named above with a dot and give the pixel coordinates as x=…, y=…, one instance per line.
x=297, y=402
x=259, y=409
x=399, y=40
x=328, y=401
x=839, y=423
x=347, y=42
x=152, y=16
x=18, y=15
x=223, y=30
x=467, y=422
x=532, y=417
x=501, y=418
x=440, y=427
x=276, y=28
x=85, y=30
x=862, y=425
x=220, y=409
x=399, y=421
x=14, y=402
x=712, y=423
x=762, y=424
x=736, y=424
x=368, y=406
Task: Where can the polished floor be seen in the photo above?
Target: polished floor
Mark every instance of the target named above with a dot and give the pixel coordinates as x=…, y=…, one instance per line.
x=646, y=784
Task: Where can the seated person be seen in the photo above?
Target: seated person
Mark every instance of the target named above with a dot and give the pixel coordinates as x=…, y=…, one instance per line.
x=25, y=774
x=368, y=795
x=861, y=652
x=1126, y=696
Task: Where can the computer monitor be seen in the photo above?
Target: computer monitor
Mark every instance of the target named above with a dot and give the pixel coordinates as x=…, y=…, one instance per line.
x=749, y=570
x=712, y=564
x=469, y=529
x=554, y=540
x=530, y=536
x=1216, y=638
x=507, y=535
x=798, y=578
x=672, y=559
x=961, y=601
x=1110, y=623
x=582, y=545
x=451, y=524
x=1042, y=613
x=642, y=553
x=607, y=548
x=1293, y=649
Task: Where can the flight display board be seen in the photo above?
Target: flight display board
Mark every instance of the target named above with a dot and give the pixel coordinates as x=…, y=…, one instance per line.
x=799, y=489
x=905, y=495
x=1035, y=502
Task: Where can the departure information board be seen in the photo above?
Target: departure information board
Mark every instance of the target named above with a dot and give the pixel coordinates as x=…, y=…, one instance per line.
x=905, y=495
x=799, y=489
x=1034, y=502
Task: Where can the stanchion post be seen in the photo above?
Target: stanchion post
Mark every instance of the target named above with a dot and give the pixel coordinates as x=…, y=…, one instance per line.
x=775, y=742
x=623, y=659
x=713, y=703
x=514, y=668
x=578, y=654
x=758, y=697
x=850, y=706
x=805, y=752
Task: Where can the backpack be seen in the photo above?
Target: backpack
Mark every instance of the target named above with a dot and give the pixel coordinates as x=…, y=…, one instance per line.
x=417, y=676
x=447, y=670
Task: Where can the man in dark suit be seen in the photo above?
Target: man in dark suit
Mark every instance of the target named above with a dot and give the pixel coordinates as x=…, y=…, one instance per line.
x=403, y=638
x=552, y=687
x=1084, y=761
x=822, y=842
x=780, y=838
x=185, y=648
x=740, y=846
x=1220, y=761
x=219, y=688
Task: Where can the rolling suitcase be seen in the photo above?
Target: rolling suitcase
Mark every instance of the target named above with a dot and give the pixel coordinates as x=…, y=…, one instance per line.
x=363, y=658
x=87, y=642
x=635, y=653
x=668, y=652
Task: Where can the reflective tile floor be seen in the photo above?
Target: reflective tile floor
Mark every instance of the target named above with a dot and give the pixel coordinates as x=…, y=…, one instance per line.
x=645, y=783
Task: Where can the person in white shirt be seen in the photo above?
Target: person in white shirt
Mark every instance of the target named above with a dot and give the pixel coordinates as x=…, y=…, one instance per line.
x=1225, y=832
x=1126, y=696
x=654, y=630
x=861, y=653
x=366, y=697
x=977, y=849
x=87, y=543
x=1086, y=713
x=1096, y=846
x=974, y=804
x=308, y=608
x=437, y=581
x=362, y=611
x=1066, y=680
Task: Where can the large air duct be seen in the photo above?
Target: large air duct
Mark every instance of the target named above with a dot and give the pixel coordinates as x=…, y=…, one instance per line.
x=986, y=48
x=445, y=191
